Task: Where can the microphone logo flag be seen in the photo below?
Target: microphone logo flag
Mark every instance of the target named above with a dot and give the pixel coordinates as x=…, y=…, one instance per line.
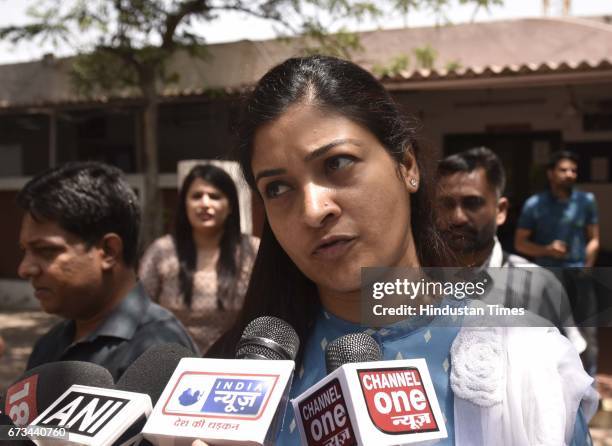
x=397, y=401
x=325, y=418
x=215, y=401
x=20, y=402
x=83, y=413
x=95, y=415
x=215, y=395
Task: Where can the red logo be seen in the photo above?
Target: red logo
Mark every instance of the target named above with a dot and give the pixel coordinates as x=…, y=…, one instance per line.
x=325, y=417
x=21, y=401
x=397, y=401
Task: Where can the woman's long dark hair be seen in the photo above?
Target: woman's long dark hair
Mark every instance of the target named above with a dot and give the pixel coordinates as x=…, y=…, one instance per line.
x=230, y=253
x=278, y=287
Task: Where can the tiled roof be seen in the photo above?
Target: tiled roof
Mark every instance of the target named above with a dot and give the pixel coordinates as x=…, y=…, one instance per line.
x=486, y=52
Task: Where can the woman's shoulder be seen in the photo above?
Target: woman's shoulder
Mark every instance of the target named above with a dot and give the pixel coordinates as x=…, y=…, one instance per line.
x=503, y=369
x=164, y=244
x=250, y=242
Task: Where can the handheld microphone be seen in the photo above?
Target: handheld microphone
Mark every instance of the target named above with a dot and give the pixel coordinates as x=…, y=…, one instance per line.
x=149, y=374
x=229, y=401
x=353, y=347
x=268, y=337
x=113, y=416
x=37, y=388
x=365, y=401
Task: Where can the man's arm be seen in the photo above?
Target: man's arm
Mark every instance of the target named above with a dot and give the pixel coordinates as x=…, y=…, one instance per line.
x=592, y=247
x=557, y=249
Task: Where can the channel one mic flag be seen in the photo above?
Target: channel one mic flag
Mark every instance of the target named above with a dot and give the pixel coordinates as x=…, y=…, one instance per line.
x=383, y=403
x=234, y=401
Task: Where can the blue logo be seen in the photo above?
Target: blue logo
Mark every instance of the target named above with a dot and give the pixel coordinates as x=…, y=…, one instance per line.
x=189, y=397
x=236, y=396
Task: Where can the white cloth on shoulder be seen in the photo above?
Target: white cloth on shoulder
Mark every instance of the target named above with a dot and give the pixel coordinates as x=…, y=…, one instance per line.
x=517, y=386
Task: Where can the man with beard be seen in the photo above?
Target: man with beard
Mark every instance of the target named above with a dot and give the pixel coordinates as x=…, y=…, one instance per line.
x=470, y=207
x=559, y=229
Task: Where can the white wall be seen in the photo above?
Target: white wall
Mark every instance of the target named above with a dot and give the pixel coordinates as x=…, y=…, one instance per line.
x=543, y=109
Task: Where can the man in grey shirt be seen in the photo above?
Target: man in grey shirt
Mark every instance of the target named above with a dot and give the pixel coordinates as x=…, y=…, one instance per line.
x=79, y=237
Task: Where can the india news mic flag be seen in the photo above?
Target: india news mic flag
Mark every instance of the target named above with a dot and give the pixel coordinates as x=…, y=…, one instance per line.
x=230, y=401
x=381, y=403
x=221, y=400
x=94, y=416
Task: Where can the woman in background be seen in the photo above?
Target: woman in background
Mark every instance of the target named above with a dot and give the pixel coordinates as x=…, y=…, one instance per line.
x=201, y=271
x=342, y=179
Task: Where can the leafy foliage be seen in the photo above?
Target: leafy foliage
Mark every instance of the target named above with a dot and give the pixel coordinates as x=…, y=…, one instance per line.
x=426, y=57
x=394, y=67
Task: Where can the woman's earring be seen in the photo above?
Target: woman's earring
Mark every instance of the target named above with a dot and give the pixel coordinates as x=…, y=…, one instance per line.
x=413, y=182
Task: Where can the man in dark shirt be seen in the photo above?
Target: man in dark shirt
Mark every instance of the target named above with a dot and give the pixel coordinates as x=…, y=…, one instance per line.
x=79, y=237
x=559, y=228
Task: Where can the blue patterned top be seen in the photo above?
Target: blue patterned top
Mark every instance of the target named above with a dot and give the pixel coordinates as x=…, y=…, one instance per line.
x=414, y=338
x=417, y=337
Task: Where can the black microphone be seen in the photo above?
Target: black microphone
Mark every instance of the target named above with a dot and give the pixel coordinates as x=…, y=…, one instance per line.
x=149, y=374
x=268, y=337
x=37, y=388
x=153, y=369
x=354, y=347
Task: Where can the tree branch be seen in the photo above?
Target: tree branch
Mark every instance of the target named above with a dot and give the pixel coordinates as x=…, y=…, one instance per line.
x=173, y=20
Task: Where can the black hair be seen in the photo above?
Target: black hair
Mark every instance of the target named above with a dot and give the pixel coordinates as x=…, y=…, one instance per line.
x=555, y=157
x=472, y=159
x=230, y=254
x=277, y=287
x=87, y=199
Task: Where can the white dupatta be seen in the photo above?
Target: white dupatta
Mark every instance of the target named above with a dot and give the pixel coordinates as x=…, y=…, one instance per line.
x=517, y=386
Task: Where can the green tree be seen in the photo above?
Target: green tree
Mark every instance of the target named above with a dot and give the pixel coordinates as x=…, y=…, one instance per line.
x=127, y=44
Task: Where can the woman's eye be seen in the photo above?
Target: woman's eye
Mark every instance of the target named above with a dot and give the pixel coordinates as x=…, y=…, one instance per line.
x=275, y=189
x=339, y=162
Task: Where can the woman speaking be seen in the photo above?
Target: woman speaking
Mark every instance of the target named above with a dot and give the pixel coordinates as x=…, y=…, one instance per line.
x=344, y=185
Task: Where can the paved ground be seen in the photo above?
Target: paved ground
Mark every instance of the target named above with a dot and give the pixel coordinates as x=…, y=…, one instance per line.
x=21, y=329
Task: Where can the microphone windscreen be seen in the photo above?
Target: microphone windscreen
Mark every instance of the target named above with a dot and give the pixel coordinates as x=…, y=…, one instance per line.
x=53, y=379
x=150, y=373
x=354, y=347
x=268, y=337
